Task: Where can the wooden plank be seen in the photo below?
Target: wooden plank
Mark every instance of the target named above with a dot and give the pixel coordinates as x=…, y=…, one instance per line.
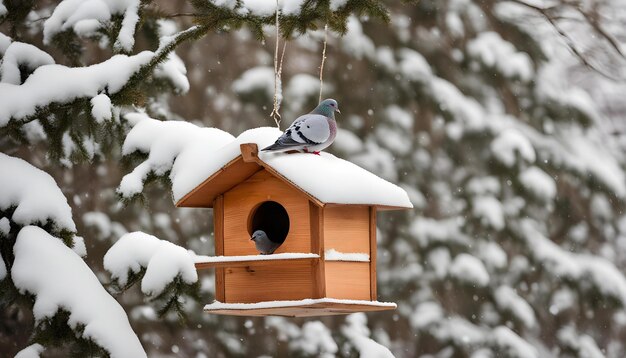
x=319, y=309
x=249, y=152
x=230, y=175
x=312, y=261
x=241, y=201
x=373, y=248
x=346, y=228
x=218, y=228
x=287, y=281
x=317, y=247
x=348, y=280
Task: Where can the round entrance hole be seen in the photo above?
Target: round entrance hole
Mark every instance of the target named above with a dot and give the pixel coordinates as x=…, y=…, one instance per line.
x=272, y=218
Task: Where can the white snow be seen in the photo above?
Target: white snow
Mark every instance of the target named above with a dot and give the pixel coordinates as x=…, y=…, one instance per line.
x=469, y=269
x=334, y=255
x=60, y=279
x=414, y=66
x=594, y=270
x=583, y=344
x=3, y=269
x=163, y=261
x=305, y=302
x=21, y=54
x=538, y=182
x=5, y=226
x=355, y=329
x=510, y=143
x=81, y=16
x=483, y=186
x=61, y=84
x=282, y=256
x=34, y=194
x=256, y=79
x=426, y=314
x=489, y=209
x=5, y=42
x=3, y=9
x=355, y=42
x=315, y=339
x=178, y=146
x=32, y=351
x=497, y=53
x=511, y=344
x=337, y=4
x=302, y=87
x=508, y=300
x=197, y=154
x=173, y=70
x=101, y=108
x=78, y=245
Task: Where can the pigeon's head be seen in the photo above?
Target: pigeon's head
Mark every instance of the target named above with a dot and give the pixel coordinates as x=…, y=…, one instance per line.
x=258, y=235
x=327, y=107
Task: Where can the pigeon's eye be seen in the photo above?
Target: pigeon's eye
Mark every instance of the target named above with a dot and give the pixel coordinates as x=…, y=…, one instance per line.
x=332, y=105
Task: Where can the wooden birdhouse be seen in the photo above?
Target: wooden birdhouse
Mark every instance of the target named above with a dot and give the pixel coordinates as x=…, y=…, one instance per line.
x=323, y=211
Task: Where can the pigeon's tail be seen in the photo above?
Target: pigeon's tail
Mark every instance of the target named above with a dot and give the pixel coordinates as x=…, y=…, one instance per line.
x=273, y=147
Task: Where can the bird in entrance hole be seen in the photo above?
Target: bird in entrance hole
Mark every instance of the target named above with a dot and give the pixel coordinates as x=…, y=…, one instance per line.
x=311, y=132
x=263, y=243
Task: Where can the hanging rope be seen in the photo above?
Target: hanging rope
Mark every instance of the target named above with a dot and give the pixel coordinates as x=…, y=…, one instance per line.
x=323, y=59
x=278, y=70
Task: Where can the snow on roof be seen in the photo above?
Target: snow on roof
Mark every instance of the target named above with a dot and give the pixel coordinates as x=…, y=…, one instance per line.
x=325, y=177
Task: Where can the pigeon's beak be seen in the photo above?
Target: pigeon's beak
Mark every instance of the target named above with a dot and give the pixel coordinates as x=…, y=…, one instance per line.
x=338, y=111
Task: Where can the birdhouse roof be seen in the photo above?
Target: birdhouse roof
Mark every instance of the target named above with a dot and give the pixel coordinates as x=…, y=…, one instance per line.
x=325, y=179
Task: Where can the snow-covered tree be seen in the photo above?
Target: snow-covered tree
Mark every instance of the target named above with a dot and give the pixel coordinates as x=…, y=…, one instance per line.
x=491, y=114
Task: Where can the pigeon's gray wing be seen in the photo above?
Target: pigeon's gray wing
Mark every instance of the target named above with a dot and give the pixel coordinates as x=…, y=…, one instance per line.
x=306, y=130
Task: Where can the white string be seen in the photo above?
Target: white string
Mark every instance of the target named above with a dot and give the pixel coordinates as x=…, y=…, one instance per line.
x=323, y=59
x=277, y=73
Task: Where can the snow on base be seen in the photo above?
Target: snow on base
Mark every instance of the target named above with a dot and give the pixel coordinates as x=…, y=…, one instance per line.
x=334, y=255
x=60, y=279
x=162, y=259
x=284, y=256
x=34, y=194
x=292, y=303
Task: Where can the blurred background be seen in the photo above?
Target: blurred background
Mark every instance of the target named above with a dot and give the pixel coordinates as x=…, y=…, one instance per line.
x=505, y=121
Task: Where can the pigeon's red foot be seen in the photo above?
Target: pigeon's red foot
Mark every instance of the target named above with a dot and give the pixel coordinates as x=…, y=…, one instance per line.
x=316, y=153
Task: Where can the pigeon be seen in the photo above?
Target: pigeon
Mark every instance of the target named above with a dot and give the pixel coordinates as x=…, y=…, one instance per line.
x=311, y=132
x=263, y=243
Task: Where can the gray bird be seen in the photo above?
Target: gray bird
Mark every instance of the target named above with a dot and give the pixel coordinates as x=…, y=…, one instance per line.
x=311, y=132
x=263, y=243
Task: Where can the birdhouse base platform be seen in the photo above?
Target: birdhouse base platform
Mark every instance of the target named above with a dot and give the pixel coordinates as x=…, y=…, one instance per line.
x=301, y=308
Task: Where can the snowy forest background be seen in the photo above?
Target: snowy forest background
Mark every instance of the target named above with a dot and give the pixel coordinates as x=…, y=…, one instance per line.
x=503, y=120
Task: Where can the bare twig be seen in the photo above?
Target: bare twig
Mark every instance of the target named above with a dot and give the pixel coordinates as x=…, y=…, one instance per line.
x=569, y=42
